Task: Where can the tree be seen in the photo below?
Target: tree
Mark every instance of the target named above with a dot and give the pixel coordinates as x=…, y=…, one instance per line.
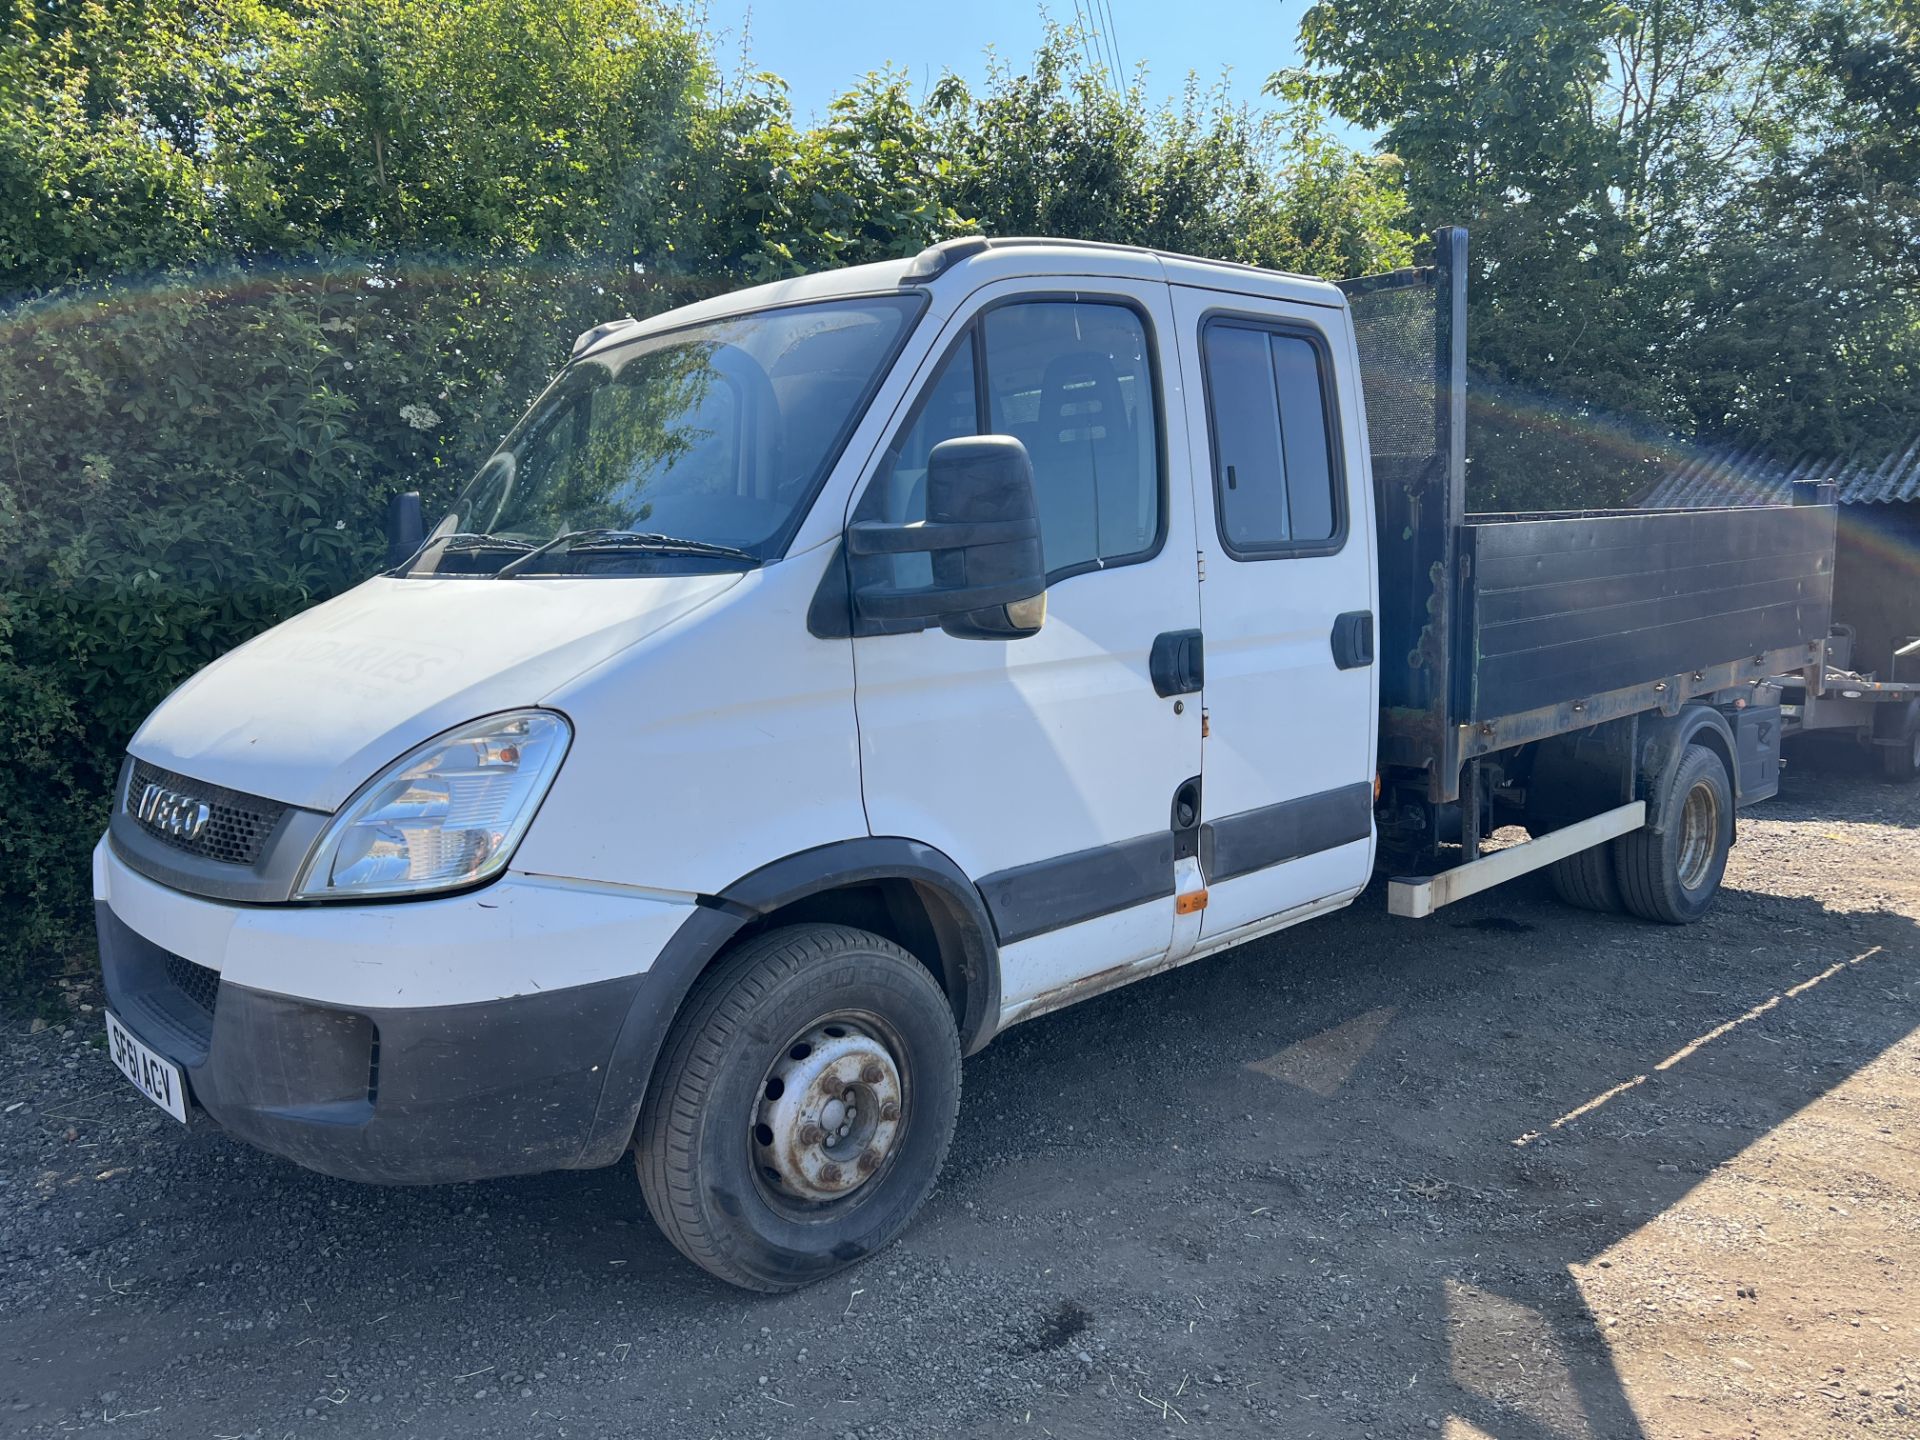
x=1682, y=227
x=1059, y=151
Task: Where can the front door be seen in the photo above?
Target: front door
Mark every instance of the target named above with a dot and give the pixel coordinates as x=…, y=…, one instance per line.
x=1046, y=767
x=1286, y=605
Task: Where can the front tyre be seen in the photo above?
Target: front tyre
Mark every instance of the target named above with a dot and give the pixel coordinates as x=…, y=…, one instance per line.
x=1672, y=877
x=802, y=1107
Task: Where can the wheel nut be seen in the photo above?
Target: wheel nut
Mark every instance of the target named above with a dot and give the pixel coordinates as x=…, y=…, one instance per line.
x=869, y=1159
x=811, y=1134
x=830, y=1175
x=871, y=1074
x=889, y=1111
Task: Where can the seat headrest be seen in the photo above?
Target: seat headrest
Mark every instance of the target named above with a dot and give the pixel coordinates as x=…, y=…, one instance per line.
x=1081, y=403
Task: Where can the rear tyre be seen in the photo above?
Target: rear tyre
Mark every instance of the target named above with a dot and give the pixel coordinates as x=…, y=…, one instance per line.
x=802, y=1107
x=1901, y=763
x=1672, y=877
x=1587, y=880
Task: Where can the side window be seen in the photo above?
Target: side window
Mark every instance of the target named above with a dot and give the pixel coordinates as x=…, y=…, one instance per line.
x=1074, y=382
x=947, y=409
x=1274, y=482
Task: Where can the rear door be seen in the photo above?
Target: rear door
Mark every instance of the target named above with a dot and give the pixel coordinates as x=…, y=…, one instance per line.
x=1046, y=767
x=1283, y=519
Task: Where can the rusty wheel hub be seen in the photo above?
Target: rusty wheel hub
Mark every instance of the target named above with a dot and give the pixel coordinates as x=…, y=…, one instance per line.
x=829, y=1113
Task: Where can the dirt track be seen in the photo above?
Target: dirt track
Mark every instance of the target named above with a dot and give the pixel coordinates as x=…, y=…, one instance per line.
x=1516, y=1172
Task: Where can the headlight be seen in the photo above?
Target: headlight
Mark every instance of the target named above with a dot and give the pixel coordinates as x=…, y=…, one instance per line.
x=446, y=815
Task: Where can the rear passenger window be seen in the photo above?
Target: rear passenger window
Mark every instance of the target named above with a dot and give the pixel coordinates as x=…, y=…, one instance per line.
x=1072, y=381
x=1275, y=484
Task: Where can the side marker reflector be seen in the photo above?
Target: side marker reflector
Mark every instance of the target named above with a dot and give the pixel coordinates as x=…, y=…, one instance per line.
x=1191, y=903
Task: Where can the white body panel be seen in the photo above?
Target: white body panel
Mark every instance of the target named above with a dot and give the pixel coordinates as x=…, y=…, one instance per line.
x=308, y=711
x=727, y=743
x=1002, y=753
x=1285, y=724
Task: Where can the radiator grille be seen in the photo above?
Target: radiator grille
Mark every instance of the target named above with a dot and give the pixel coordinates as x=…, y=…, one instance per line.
x=237, y=824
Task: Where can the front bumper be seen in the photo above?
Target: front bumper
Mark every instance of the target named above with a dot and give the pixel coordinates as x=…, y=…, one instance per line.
x=356, y=1083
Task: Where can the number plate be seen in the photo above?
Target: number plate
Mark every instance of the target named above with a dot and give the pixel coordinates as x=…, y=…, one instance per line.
x=159, y=1079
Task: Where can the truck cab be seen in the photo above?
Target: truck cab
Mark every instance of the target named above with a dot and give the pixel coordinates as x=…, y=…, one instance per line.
x=819, y=680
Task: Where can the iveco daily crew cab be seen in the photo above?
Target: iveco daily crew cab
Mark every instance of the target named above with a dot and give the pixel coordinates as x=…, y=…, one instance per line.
x=825, y=677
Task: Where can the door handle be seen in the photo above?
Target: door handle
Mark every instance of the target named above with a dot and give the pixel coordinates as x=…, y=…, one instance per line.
x=1353, y=640
x=1178, y=663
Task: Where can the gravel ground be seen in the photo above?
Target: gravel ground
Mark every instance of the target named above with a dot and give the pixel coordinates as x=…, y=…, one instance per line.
x=1515, y=1172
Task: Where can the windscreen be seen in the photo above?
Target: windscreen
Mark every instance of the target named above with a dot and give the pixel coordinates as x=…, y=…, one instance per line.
x=698, y=447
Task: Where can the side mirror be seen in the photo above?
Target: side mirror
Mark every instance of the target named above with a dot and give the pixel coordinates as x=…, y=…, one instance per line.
x=406, y=528
x=982, y=533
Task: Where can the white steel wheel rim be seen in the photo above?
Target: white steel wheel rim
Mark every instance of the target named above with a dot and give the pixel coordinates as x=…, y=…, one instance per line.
x=829, y=1114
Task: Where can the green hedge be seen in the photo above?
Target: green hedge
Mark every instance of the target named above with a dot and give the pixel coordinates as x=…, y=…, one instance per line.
x=182, y=466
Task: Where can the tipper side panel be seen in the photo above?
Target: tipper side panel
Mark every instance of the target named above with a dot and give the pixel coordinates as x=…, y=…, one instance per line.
x=1564, y=609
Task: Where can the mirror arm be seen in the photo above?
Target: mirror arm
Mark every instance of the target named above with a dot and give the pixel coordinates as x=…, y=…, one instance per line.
x=406, y=528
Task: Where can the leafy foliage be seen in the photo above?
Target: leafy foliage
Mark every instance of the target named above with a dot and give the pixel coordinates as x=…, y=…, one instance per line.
x=1694, y=221
x=269, y=263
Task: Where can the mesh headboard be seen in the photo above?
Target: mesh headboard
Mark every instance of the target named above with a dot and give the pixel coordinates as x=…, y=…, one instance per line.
x=1396, y=328
x=1410, y=328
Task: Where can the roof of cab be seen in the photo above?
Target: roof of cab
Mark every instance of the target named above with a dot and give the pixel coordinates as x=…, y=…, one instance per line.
x=974, y=260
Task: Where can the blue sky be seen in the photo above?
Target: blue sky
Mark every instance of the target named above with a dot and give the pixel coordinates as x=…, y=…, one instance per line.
x=820, y=47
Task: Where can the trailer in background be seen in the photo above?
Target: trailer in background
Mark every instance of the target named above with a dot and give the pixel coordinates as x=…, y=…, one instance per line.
x=1850, y=704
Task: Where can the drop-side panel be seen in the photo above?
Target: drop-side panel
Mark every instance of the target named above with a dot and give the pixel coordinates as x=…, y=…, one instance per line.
x=1563, y=609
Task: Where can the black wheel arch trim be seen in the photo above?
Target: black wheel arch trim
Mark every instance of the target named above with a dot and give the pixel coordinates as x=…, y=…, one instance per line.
x=1664, y=740
x=963, y=924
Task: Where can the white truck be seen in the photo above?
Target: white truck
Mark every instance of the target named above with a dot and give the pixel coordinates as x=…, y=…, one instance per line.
x=825, y=677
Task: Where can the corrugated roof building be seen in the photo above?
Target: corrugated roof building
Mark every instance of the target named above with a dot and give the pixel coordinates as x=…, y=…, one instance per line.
x=1750, y=477
x=1876, y=568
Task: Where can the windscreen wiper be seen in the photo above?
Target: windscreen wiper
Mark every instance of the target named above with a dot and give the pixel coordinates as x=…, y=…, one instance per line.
x=613, y=539
x=467, y=541
x=462, y=542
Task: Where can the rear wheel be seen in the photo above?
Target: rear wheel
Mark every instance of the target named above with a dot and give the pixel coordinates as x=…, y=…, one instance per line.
x=1902, y=762
x=802, y=1108
x=1587, y=880
x=1672, y=876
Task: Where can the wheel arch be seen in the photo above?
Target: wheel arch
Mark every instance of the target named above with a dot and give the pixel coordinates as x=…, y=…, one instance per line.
x=1664, y=739
x=910, y=892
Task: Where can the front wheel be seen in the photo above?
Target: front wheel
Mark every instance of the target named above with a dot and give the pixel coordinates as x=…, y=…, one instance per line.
x=802, y=1108
x=1672, y=877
